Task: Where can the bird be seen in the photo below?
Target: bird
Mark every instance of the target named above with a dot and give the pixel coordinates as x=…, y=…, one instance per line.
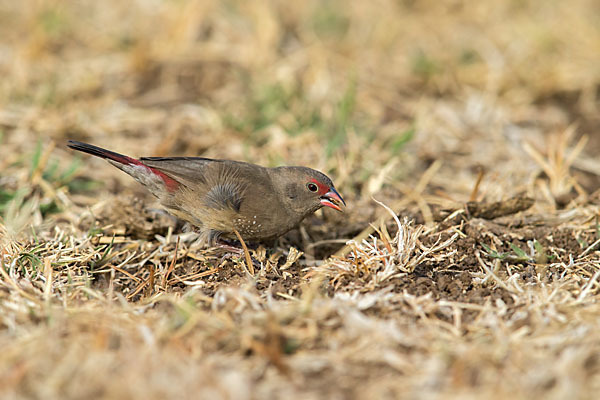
x=219, y=197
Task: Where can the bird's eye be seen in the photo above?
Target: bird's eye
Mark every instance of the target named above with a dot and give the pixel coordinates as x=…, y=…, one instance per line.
x=312, y=187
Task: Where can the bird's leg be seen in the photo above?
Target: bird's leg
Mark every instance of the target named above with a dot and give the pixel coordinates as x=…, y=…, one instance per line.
x=229, y=249
x=232, y=250
x=235, y=244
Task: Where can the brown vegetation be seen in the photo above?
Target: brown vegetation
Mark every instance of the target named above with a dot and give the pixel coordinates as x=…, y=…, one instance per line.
x=463, y=136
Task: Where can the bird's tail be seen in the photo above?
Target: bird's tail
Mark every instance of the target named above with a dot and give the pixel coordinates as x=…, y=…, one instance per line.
x=102, y=153
x=137, y=169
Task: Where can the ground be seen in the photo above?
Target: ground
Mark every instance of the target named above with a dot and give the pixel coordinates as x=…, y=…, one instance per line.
x=462, y=136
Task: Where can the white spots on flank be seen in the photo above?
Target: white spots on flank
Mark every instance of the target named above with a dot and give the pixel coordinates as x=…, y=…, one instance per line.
x=248, y=225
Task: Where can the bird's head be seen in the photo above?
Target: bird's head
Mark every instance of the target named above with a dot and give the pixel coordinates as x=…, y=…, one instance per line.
x=306, y=190
x=326, y=193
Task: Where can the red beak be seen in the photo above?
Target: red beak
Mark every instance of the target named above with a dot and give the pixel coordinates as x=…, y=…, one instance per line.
x=333, y=199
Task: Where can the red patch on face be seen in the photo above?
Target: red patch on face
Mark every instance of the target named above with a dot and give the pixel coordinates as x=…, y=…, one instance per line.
x=322, y=188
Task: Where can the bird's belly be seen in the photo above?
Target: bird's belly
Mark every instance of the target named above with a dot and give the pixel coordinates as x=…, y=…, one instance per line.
x=253, y=227
x=223, y=222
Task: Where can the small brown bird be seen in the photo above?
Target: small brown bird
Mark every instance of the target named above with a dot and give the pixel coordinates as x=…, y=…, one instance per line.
x=220, y=196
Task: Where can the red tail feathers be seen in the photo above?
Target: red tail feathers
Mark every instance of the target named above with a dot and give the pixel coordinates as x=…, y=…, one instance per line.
x=170, y=183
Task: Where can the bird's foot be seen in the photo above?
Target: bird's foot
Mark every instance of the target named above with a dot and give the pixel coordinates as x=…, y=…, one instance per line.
x=230, y=248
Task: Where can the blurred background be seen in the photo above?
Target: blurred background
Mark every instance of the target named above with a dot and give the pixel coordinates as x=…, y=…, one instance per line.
x=421, y=104
x=371, y=93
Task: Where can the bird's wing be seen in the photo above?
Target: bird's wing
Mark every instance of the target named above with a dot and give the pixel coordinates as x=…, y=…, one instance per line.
x=217, y=184
x=184, y=169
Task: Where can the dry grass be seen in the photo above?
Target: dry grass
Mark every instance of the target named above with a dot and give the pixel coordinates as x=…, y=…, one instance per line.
x=423, y=106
